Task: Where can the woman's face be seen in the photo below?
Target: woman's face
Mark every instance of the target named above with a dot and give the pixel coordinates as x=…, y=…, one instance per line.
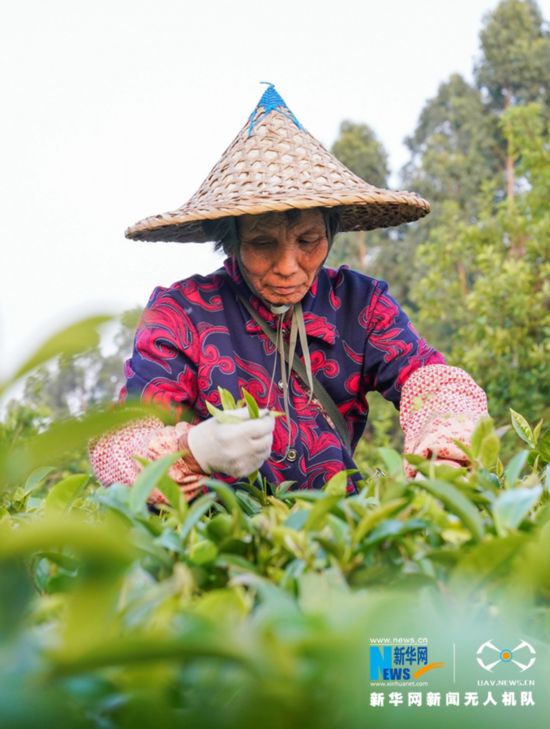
x=280, y=257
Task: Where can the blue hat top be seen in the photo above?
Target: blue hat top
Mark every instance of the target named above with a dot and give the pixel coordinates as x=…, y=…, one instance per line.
x=271, y=101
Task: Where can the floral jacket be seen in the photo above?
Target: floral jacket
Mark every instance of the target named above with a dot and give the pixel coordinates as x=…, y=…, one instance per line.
x=196, y=336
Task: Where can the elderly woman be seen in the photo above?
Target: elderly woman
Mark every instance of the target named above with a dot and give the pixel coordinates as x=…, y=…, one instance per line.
x=303, y=339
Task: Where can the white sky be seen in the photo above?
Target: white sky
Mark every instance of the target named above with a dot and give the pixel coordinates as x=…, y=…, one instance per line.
x=112, y=110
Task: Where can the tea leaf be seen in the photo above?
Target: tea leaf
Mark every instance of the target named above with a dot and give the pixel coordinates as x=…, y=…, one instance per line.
x=148, y=479
x=226, y=398
x=511, y=507
x=226, y=493
x=252, y=405
x=213, y=410
x=248, y=504
x=317, y=514
x=337, y=484
x=203, y=552
x=483, y=429
x=220, y=527
x=283, y=487
x=147, y=649
x=62, y=495
x=92, y=541
x=489, y=450
x=392, y=460
x=456, y=502
x=537, y=430
x=543, y=446
x=172, y=492
x=221, y=416
x=515, y=467
x=385, y=530
x=36, y=478
x=486, y=561
x=522, y=428
x=60, y=438
x=195, y=513
x=374, y=517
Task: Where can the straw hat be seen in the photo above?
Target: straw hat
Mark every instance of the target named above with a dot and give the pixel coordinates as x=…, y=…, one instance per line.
x=274, y=164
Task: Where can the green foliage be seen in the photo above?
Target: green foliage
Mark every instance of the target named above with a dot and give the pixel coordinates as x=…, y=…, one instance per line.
x=231, y=608
x=464, y=161
x=486, y=285
x=68, y=342
x=85, y=371
x=359, y=149
x=252, y=604
x=454, y=148
x=515, y=63
x=77, y=369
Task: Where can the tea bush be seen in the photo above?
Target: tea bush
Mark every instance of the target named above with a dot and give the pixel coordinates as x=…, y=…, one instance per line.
x=258, y=604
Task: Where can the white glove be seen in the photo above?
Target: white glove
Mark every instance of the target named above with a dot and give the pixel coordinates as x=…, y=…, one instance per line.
x=236, y=449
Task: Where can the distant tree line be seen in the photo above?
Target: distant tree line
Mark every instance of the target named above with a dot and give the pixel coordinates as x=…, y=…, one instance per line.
x=475, y=275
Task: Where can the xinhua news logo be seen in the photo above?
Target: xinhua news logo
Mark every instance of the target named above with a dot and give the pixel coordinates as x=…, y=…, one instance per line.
x=400, y=662
x=489, y=656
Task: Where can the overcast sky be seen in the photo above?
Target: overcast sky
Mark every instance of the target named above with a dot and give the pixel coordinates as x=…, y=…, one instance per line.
x=113, y=110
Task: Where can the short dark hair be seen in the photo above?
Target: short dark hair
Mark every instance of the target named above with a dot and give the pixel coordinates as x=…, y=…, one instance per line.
x=225, y=231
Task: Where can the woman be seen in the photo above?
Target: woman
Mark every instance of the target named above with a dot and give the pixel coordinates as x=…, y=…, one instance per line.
x=302, y=339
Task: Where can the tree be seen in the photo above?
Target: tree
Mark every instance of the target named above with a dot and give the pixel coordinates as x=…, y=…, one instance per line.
x=454, y=147
x=498, y=318
x=358, y=147
x=70, y=385
x=458, y=143
x=462, y=162
x=514, y=68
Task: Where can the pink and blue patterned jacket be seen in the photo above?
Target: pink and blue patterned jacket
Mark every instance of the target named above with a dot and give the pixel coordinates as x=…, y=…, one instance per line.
x=196, y=335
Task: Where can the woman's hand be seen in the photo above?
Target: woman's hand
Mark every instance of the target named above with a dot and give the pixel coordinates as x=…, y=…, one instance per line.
x=236, y=448
x=440, y=407
x=439, y=438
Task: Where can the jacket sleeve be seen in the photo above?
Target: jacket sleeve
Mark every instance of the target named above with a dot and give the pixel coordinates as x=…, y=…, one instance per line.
x=438, y=404
x=394, y=349
x=163, y=366
x=161, y=370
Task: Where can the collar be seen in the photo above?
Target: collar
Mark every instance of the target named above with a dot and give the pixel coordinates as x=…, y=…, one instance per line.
x=317, y=324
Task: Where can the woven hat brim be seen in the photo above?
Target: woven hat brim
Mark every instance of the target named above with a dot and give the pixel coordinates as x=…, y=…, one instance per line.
x=274, y=165
x=373, y=211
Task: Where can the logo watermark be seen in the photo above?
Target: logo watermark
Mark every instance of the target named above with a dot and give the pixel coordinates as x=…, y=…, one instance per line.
x=489, y=656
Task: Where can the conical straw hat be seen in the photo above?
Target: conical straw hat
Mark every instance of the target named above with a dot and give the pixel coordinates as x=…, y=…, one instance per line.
x=274, y=164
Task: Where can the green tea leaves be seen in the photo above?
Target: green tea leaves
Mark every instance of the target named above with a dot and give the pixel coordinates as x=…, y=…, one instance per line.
x=148, y=480
x=252, y=405
x=62, y=495
x=522, y=428
x=227, y=400
x=457, y=503
x=512, y=506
